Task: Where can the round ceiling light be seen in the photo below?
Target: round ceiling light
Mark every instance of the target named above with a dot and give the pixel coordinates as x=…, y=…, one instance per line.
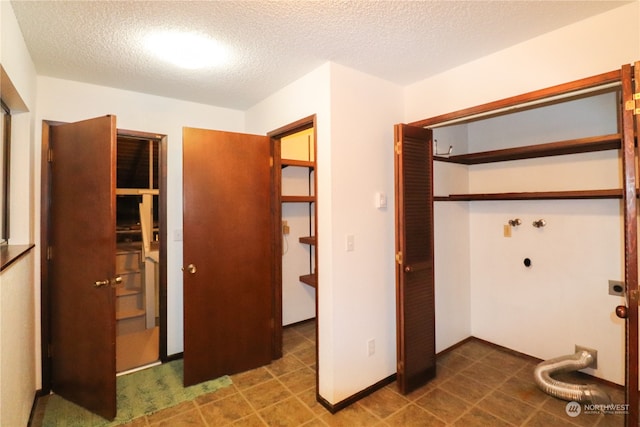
x=186, y=50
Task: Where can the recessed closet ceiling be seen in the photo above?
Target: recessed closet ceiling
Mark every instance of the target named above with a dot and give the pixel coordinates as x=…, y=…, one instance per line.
x=273, y=43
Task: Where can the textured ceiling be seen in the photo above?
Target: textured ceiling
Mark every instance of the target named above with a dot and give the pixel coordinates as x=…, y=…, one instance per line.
x=274, y=43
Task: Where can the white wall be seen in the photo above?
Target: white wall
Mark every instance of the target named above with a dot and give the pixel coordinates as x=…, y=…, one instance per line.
x=562, y=299
x=17, y=337
x=68, y=101
x=356, y=290
x=18, y=340
x=363, y=112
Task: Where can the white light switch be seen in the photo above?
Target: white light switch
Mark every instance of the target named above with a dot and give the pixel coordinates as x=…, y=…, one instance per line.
x=350, y=243
x=381, y=200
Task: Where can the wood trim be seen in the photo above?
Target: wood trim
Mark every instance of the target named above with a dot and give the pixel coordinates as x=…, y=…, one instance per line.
x=45, y=298
x=334, y=408
x=11, y=253
x=537, y=195
x=514, y=101
x=572, y=146
x=162, y=216
x=630, y=244
x=276, y=200
x=276, y=135
x=295, y=127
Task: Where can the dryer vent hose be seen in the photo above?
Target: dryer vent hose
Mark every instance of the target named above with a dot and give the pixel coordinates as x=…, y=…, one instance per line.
x=584, y=393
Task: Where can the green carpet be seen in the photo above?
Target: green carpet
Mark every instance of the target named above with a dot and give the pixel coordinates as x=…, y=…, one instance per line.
x=139, y=393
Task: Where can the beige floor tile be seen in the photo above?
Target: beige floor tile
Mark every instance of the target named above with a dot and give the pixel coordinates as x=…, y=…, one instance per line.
x=287, y=413
x=478, y=418
x=413, y=416
x=466, y=388
x=266, y=394
x=352, y=416
x=545, y=419
x=384, y=402
x=507, y=408
x=300, y=380
x=170, y=412
x=251, y=378
x=227, y=410
x=190, y=418
x=443, y=405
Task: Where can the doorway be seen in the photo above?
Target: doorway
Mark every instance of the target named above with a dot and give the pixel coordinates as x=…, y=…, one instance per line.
x=295, y=153
x=154, y=154
x=138, y=239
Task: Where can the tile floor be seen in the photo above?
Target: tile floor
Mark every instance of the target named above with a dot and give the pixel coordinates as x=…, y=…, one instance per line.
x=477, y=385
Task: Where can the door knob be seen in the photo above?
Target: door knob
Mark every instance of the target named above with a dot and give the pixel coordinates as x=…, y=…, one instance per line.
x=115, y=281
x=408, y=269
x=191, y=268
x=621, y=311
x=101, y=283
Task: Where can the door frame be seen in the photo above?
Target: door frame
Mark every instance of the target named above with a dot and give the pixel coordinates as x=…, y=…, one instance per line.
x=276, y=135
x=45, y=200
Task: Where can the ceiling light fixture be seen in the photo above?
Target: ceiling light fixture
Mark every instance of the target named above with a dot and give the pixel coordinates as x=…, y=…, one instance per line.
x=186, y=50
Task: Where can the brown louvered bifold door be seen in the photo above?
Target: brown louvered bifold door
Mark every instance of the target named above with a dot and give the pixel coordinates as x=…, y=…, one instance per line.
x=414, y=257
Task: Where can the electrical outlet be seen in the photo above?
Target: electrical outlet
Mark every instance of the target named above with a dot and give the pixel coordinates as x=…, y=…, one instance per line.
x=507, y=230
x=285, y=228
x=592, y=352
x=371, y=347
x=616, y=288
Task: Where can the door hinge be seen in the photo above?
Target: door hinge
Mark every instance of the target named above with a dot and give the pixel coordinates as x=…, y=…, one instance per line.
x=49, y=253
x=271, y=161
x=399, y=258
x=50, y=155
x=634, y=104
x=401, y=367
x=398, y=147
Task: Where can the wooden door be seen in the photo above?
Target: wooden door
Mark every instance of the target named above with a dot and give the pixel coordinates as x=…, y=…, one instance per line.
x=228, y=253
x=414, y=256
x=81, y=267
x=630, y=311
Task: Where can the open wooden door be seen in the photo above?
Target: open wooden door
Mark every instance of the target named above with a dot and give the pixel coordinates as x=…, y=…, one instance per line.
x=81, y=253
x=630, y=202
x=414, y=257
x=229, y=238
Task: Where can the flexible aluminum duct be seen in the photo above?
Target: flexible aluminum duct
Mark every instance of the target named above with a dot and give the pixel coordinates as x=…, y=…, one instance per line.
x=567, y=391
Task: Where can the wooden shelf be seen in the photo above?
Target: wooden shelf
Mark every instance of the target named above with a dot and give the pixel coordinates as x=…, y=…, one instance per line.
x=572, y=146
x=300, y=163
x=310, y=279
x=298, y=199
x=308, y=240
x=538, y=195
x=129, y=314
